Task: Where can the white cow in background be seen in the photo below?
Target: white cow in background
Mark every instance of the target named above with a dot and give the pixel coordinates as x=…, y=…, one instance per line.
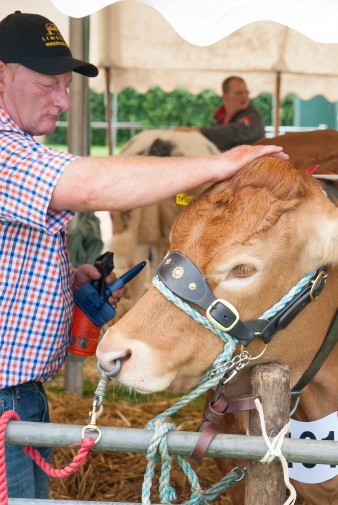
x=142, y=234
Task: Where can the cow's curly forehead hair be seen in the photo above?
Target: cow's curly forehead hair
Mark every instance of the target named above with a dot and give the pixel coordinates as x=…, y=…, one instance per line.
x=276, y=176
x=250, y=202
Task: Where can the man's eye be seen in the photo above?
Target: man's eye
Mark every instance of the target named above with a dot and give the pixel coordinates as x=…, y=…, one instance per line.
x=47, y=84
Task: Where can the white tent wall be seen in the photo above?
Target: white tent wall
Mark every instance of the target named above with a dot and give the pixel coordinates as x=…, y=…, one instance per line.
x=134, y=45
x=141, y=49
x=42, y=7
x=202, y=23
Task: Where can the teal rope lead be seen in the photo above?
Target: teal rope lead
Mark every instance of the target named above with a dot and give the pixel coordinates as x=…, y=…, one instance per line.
x=158, y=445
x=158, y=448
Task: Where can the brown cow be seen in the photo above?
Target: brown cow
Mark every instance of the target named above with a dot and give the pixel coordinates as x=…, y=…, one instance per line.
x=252, y=237
x=313, y=151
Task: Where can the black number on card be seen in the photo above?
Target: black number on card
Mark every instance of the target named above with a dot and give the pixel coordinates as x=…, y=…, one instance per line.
x=311, y=436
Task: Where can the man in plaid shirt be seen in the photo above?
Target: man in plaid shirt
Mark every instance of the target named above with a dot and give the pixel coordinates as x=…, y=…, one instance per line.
x=40, y=190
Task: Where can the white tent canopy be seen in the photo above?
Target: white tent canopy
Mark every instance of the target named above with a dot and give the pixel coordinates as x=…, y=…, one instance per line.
x=134, y=45
x=141, y=49
x=202, y=23
x=43, y=7
x=150, y=42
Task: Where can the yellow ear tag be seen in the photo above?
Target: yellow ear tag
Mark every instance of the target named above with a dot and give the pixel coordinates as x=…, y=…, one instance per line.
x=184, y=198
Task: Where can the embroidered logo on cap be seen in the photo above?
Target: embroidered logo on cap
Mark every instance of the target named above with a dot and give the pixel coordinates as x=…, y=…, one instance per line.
x=53, y=37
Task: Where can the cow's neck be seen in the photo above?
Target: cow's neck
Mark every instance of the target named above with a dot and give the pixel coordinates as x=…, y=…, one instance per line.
x=297, y=346
x=320, y=397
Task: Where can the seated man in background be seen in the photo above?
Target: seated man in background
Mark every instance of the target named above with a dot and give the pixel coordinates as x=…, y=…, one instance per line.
x=237, y=121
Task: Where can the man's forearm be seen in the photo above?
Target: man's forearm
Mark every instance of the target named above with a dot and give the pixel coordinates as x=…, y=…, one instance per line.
x=120, y=183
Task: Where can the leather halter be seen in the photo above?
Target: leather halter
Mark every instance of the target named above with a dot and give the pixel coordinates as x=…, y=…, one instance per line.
x=183, y=278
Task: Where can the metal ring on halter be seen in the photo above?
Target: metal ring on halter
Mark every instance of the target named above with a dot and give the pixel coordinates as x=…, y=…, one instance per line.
x=110, y=374
x=259, y=355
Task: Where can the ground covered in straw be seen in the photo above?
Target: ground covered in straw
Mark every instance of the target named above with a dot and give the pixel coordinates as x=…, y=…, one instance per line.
x=116, y=476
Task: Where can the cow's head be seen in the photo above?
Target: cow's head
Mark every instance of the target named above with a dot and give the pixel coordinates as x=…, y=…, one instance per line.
x=252, y=237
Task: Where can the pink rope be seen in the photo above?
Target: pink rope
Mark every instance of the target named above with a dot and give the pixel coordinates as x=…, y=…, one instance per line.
x=79, y=460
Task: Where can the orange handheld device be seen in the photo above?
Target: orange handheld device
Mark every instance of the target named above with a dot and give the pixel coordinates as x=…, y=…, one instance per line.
x=91, y=309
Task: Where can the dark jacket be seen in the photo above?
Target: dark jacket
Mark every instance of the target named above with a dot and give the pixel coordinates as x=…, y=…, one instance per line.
x=246, y=127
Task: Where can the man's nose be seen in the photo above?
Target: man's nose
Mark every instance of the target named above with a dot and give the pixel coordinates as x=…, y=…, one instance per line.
x=62, y=99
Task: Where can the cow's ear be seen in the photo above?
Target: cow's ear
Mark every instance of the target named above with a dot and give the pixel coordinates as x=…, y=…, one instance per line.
x=325, y=238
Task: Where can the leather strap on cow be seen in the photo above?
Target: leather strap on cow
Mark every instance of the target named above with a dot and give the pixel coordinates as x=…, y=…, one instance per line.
x=325, y=349
x=331, y=191
x=267, y=328
x=183, y=278
x=212, y=418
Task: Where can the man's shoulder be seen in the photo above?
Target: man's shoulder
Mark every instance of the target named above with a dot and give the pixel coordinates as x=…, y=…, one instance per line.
x=250, y=114
x=252, y=108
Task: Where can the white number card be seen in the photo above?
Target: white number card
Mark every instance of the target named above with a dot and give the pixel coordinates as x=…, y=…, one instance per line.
x=322, y=429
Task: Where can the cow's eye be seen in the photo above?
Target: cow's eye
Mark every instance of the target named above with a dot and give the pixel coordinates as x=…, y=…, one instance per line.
x=242, y=271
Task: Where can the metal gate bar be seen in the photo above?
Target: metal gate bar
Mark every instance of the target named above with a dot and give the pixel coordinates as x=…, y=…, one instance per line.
x=179, y=442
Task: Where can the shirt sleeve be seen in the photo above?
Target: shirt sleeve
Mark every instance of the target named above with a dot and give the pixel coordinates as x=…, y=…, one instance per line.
x=28, y=176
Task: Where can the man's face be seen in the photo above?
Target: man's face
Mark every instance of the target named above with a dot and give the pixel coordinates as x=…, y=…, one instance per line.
x=34, y=101
x=237, y=98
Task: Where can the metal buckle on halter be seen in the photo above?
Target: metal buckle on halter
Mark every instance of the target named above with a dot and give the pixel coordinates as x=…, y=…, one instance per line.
x=318, y=285
x=231, y=310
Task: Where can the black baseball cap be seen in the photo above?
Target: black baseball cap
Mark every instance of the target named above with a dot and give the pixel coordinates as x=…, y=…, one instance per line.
x=36, y=43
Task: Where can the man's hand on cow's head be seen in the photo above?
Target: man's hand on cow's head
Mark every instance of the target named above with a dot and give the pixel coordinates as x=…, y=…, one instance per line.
x=240, y=156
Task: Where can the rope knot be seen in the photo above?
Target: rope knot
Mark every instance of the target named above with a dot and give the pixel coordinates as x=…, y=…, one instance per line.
x=275, y=450
x=158, y=445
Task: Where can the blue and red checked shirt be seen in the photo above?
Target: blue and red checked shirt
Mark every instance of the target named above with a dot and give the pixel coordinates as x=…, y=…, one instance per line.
x=36, y=299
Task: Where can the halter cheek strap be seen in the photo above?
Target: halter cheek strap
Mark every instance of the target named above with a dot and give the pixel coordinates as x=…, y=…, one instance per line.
x=182, y=277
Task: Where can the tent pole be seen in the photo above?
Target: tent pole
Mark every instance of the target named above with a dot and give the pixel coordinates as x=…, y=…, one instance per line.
x=109, y=112
x=276, y=119
x=78, y=143
x=78, y=129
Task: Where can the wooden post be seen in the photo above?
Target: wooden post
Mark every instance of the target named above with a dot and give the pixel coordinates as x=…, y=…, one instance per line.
x=264, y=483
